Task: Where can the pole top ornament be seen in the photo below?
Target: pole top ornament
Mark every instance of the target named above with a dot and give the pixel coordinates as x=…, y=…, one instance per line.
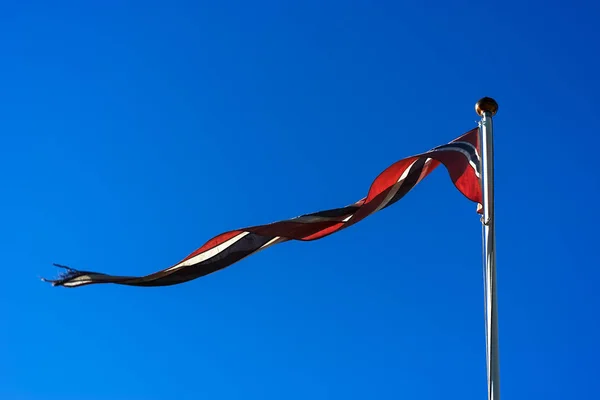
x=486, y=104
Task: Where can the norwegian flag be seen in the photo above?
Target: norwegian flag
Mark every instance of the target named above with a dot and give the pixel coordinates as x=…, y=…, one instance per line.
x=460, y=157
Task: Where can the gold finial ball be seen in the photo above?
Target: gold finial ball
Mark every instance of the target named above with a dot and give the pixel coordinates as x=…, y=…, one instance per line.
x=486, y=104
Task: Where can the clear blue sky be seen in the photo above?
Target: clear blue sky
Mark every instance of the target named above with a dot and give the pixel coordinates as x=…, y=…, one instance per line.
x=132, y=132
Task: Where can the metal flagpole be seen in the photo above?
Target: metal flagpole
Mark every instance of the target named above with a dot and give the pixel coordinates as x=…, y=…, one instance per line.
x=487, y=108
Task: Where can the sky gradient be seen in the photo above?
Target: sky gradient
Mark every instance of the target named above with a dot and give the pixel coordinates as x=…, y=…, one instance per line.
x=132, y=132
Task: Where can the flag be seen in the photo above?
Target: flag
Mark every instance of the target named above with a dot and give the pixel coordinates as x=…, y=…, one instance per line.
x=461, y=157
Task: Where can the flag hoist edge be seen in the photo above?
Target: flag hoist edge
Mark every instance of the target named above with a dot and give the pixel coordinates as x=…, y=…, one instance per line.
x=461, y=157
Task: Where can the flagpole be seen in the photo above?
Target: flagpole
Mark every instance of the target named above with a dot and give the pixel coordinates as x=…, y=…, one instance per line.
x=487, y=108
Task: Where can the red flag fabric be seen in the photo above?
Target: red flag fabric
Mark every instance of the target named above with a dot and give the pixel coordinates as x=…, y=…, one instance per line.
x=461, y=157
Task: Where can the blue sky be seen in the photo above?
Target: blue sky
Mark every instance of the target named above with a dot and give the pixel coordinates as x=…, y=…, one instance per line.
x=132, y=132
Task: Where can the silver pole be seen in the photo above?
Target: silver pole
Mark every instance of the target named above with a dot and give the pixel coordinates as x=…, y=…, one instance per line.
x=487, y=108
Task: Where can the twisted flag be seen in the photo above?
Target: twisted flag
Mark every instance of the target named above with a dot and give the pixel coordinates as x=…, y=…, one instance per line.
x=461, y=157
